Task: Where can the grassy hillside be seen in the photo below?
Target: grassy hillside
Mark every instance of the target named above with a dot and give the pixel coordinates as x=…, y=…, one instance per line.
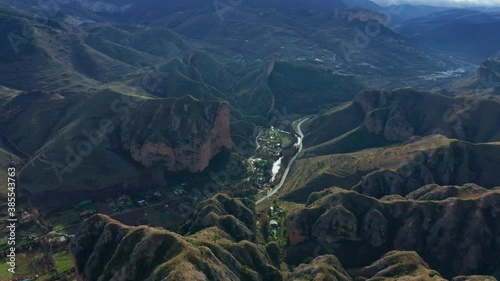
x=332, y=124
x=304, y=88
x=377, y=119
x=222, y=241
x=396, y=170
x=70, y=149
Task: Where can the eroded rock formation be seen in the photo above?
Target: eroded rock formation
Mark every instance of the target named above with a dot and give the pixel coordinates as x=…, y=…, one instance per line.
x=104, y=249
x=184, y=135
x=458, y=235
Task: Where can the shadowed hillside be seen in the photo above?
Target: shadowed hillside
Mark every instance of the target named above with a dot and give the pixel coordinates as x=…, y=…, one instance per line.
x=456, y=235
x=398, y=169
x=106, y=249
x=376, y=119
x=306, y=110
x=467, y=34
x=81, y=149
x=214, y=249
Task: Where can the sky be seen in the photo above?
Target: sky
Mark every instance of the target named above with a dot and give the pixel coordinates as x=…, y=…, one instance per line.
x=457, y=3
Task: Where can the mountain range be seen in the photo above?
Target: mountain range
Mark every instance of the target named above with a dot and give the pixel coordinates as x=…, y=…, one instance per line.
x=393, y=111
x=68, y=68
x=224, y=241
x=466, y=34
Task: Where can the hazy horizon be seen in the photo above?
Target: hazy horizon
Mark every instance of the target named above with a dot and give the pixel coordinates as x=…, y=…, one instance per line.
x=440, y=3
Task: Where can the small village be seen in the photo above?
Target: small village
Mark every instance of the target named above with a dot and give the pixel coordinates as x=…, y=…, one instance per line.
x=156, y=207
x=277, y=223
x=267, y=161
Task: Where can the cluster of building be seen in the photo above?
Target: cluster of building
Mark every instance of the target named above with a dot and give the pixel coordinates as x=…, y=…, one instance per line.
x=272, y=142
x=123, y=202
x=86, y=208
x=275, y=212
x=179, y=189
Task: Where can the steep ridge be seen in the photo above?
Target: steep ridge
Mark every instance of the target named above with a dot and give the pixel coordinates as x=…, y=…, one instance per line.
x=398, y=169
x=304, y=89
x=402, y=265
x=395, y=265
x=456, y=236
x=378, y=118
x=486, y=81
x=236, y=216
x=326, y=267
x=29, y=46
x=105, y=249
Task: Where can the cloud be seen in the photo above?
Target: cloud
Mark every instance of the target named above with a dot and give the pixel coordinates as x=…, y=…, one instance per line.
x=454, y=3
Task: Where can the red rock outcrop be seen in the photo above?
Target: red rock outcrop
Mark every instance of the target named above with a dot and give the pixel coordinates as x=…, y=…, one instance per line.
x=185, y=135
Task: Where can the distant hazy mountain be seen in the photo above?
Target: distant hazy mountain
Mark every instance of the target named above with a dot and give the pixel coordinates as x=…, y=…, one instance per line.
x=399, y=14
x=402, y=13
x=149, y=11
x=367, y=4
x=471, y=35
x=396, y=13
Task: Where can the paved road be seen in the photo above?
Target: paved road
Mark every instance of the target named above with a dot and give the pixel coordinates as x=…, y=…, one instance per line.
x=285, y=174
x=298, y=130
x=257, y=140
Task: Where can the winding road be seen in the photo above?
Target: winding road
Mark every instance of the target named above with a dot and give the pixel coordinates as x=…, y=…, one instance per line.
x=285, y=174
x=298, y=130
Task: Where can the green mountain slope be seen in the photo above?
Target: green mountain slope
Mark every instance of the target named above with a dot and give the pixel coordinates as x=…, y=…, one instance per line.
x=216, y=246
x=397, y=169
x=376, y=119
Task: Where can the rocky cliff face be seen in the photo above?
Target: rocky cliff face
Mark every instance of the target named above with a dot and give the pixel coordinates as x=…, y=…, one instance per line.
x=400, y=114
x=455, y=163
x=115, y=134
x=399, y=169
x=381, y=118
x=104, y=249
x=235, y=216
x=489, y=73
x=457, y=236
x=392, y=124
x=184, y=135
x=486, y=82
